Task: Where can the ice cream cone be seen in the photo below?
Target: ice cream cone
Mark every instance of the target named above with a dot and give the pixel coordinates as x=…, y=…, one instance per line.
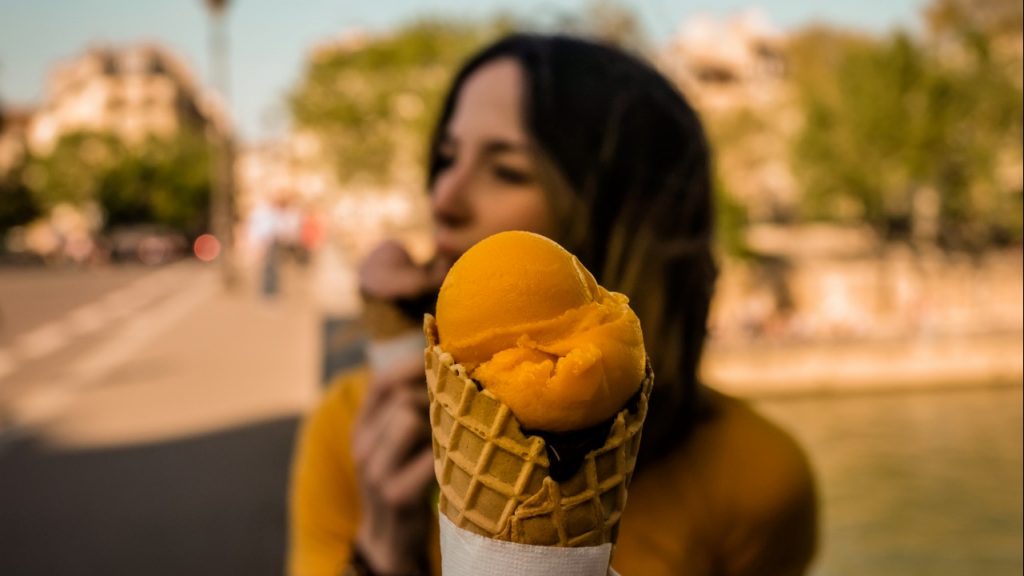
x=494, y=479
x=383, y=320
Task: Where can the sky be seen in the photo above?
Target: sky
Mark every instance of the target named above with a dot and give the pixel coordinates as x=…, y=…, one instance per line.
x=269, y=39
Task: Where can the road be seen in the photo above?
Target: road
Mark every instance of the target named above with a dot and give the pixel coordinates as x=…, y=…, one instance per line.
x=52, y=320
x=32, y=296
x=148, y=418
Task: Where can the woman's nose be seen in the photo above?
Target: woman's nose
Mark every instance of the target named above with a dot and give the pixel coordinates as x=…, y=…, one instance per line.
x=450, y=196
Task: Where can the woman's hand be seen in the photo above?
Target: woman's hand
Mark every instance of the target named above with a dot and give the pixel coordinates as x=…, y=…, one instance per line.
x=391, y=441
x=395, y=467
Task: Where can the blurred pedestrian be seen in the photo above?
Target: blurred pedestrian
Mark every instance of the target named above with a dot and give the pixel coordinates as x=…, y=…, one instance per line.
x=274, y=230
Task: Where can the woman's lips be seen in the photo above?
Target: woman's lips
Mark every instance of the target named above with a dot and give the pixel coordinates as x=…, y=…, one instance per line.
x=447, y=246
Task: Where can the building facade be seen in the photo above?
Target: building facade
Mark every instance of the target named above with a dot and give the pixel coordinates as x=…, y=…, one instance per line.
x=133, y=92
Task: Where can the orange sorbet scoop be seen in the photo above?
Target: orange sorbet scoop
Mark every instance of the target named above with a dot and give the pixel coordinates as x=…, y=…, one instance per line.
x=532, y=326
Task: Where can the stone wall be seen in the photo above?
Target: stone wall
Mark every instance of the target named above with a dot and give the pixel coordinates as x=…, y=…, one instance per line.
x=890, y=320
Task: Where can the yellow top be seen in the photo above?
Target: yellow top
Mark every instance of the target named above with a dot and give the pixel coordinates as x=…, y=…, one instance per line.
x=736, y=500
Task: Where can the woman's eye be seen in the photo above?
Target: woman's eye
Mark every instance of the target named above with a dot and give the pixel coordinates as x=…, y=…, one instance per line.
x=444, y=159
x=512, y=175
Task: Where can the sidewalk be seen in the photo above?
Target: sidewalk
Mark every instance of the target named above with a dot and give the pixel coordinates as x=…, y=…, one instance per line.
x=169, y=453
x=206, y=360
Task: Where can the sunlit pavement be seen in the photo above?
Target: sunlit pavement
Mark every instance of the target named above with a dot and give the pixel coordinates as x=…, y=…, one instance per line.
x=148, y=426
x=167, y=355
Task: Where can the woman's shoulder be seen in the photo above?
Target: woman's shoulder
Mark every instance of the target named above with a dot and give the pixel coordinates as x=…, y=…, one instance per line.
x=760, y=464
x=341, y=400
x=736, y=497
x=737, y=423
x=347, y=387
x=736, y=455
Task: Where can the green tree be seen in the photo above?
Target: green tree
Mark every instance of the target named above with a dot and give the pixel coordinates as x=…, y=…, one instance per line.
x=72, y=171
x=17, y=206
x=979, y=24
x=731, y=219
x=164, y=181
x=850, y=152
x=886, y=120
x=979, y=41
x=609, y=21
x=373, y=102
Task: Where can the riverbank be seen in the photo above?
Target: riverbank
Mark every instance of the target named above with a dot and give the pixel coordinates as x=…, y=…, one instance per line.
x=763, y=370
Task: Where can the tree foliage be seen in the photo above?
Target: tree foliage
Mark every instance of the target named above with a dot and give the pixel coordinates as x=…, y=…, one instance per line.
x=609, y=21
x=373, y=102
x=17, y=206
x=164, y=181
x=71, y=172
x=892, y=119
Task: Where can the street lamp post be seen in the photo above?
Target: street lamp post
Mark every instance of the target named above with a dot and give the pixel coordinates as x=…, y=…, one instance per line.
x=222, y=148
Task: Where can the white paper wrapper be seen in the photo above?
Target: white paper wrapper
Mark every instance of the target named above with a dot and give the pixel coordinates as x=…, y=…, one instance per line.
x=464, y=553
x=382, y=354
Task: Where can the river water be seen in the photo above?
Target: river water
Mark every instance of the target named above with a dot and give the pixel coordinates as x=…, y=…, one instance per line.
x=916, y=483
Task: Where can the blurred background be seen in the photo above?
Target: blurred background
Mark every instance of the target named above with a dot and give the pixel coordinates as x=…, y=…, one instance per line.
x=186, y=188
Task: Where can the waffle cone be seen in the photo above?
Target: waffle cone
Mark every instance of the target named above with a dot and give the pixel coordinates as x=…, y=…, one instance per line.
x=494, y=479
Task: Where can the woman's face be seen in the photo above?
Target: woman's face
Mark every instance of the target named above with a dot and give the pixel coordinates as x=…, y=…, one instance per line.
x=487, y=179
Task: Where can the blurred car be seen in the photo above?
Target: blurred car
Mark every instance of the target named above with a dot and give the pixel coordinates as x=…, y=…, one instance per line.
x=148, y=244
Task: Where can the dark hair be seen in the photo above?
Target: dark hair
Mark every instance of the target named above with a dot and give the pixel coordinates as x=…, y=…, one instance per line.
x=638, y=212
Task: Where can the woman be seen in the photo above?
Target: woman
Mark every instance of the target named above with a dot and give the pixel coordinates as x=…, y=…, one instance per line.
x=595, y=149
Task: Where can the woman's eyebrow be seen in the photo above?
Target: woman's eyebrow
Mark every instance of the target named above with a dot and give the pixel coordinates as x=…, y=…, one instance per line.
x=502, y=146
x=495, y=146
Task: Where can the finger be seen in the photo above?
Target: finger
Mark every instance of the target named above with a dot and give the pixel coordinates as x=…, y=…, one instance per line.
x=414, y=392
x=404, y=373
x=376, y=431
x=407, y=485
x=406, y=428
x=370, y=432
x=374, y=400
